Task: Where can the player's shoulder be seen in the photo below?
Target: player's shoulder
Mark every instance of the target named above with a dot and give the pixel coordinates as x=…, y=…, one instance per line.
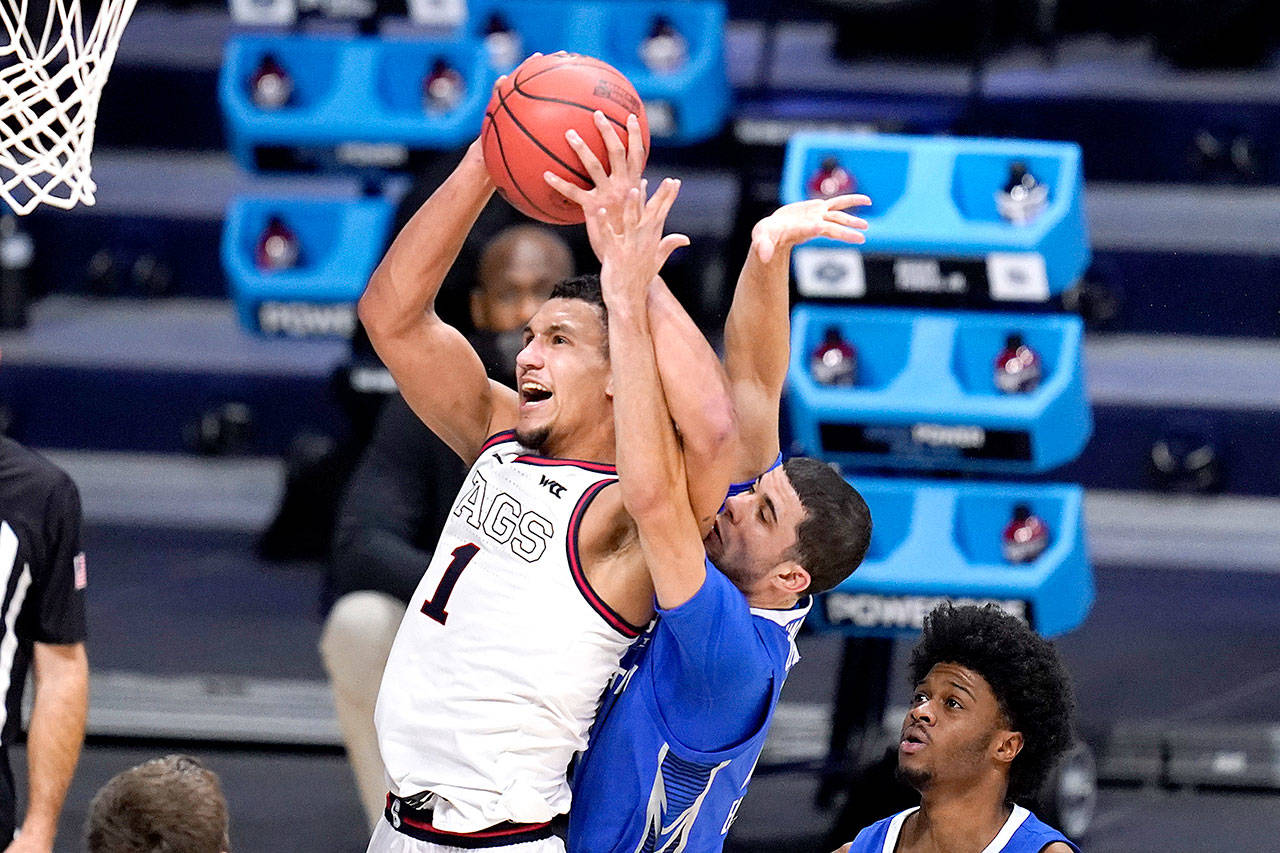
x=28, y=472
x=870, y=839
x=1036, y=836
x=505, y=439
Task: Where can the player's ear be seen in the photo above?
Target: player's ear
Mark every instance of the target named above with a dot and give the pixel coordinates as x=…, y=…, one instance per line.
x=1007, y=746
x=791, y=577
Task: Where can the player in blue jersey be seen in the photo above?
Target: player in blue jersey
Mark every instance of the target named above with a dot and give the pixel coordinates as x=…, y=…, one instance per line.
x=679, y=734
x=672, y=755
x=990, y=714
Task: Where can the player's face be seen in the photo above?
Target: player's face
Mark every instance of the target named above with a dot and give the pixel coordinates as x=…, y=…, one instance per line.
x=756, y=530
x=562, y=374
x=951, y=730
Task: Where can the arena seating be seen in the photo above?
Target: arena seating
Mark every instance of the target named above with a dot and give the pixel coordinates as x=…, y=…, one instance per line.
x=136, y=372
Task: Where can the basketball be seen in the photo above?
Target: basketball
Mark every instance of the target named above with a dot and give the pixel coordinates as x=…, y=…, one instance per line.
x=525, y=123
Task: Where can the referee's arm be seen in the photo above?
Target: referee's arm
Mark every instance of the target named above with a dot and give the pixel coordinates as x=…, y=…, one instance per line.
x=54, y=738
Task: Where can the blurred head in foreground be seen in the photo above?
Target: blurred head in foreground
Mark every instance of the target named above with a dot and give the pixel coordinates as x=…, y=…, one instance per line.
x=168, y=805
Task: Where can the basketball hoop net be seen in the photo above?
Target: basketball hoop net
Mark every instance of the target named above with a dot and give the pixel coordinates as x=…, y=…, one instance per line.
x=51, y=77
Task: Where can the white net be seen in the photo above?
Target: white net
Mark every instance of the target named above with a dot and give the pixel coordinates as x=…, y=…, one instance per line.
x=52, y=70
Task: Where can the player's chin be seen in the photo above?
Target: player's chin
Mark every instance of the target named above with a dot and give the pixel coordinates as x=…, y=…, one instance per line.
x=911, y=773
x=532, y=435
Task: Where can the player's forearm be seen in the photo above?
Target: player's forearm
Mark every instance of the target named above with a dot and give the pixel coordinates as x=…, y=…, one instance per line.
x=648, y=455
x=651, y=468
x=404, y=286
x=55, y=734
x=758, y=328
x=697, y=395
x=757, y=350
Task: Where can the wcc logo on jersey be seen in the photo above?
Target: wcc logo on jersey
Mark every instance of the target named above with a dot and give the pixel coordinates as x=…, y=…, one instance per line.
x=499, y=516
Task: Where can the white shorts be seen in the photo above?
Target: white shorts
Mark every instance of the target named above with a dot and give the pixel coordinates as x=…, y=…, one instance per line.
x=387, y=840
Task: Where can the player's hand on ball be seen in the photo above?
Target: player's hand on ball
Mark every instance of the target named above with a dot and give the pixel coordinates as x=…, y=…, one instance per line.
x=608, y=188
x=794, y=223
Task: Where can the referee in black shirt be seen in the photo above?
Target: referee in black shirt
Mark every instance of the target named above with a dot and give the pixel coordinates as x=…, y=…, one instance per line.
x=42, y=571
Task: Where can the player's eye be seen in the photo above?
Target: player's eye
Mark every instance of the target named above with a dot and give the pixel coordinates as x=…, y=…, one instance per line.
x=559, y=339
x=919, y=698
x=952, y=702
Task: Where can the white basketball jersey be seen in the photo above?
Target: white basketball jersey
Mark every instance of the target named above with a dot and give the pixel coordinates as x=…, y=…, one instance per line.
x=504, y=651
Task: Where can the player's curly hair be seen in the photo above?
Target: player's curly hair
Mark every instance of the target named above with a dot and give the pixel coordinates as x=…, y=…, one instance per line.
x=1025, y=673
x=586, y=288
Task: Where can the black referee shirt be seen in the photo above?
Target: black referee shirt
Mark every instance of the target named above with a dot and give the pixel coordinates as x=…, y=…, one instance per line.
x=42, y=576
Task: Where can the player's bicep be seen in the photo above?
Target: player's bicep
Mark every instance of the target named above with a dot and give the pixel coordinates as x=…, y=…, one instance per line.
x=444, y=382
x=757, y=408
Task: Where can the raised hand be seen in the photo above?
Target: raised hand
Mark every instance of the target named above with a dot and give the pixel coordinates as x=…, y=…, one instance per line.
x=632, y=255
x=608, y=188
x=794, y=223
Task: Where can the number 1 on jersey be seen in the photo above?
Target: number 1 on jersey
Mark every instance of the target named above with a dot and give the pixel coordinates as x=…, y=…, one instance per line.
x=434, y=606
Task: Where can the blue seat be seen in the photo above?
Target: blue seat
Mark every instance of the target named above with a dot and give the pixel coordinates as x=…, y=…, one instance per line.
x=926, y=395
x=340, y=243
x=940, y=540
x=687, y=105
x=935, y=198
x=351, y=93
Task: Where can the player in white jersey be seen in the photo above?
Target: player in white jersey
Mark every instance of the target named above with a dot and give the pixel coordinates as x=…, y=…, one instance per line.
x=469, y=650
x=538, y=584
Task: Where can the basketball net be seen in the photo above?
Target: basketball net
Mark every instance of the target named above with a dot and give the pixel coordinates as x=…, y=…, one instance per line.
x=51, y=77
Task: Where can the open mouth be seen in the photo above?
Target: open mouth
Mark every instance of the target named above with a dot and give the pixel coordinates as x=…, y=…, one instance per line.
x=533, y=392
x=912, y=742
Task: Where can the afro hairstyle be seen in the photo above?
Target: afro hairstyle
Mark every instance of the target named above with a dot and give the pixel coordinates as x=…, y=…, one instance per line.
x=1025, y=674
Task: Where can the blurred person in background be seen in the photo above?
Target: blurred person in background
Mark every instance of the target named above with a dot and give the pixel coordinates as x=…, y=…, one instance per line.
x=44, y=576
x=173, y=803
x=990, y=713
x=400, y=494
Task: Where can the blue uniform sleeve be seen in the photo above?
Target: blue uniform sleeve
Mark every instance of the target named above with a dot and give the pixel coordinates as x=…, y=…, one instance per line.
x=713, y=677
x=739, y=488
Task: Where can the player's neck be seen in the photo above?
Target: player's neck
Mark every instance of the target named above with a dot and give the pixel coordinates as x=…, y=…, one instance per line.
x=593, y=445
x=772, y=599
x=965, y=818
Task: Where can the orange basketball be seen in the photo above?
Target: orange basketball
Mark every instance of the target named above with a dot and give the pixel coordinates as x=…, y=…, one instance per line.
x=527, y=117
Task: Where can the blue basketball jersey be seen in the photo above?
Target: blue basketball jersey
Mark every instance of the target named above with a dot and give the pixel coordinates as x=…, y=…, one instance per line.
x=674, y=746
x=1023, y=832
